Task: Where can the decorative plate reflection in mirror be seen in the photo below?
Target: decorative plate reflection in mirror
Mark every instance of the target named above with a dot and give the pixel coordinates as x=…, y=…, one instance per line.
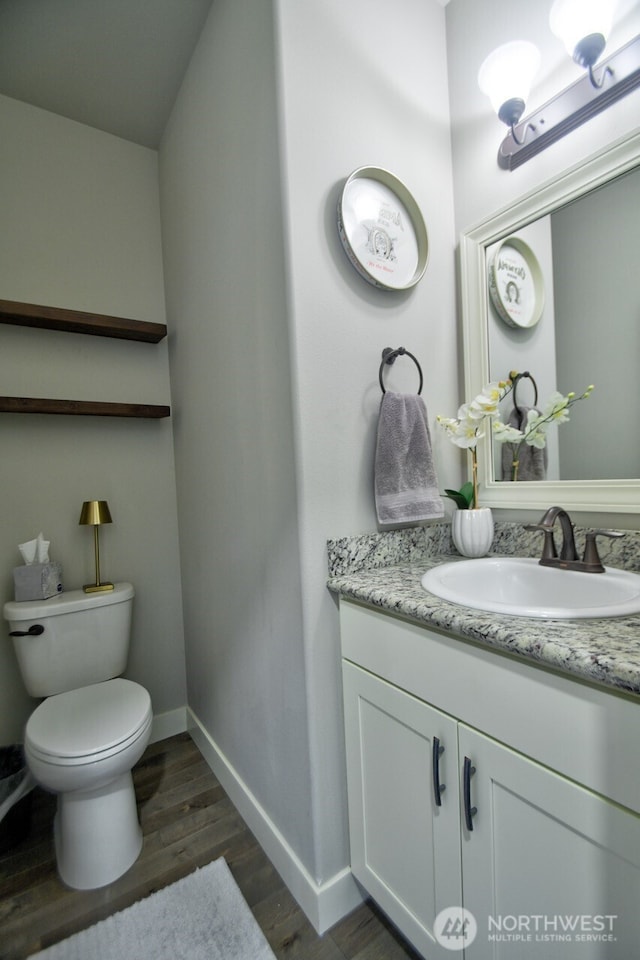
x=516, y=284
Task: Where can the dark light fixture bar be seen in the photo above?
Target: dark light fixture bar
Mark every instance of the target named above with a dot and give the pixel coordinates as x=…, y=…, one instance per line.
x=619, y=75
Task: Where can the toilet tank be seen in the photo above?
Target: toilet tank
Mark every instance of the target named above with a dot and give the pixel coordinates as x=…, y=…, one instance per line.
x=85, y=638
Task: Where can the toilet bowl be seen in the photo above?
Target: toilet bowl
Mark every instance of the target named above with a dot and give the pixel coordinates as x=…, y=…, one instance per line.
x=82, y=741
x=82, y=746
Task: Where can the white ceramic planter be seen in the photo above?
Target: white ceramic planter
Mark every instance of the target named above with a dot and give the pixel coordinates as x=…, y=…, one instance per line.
x=472, y=531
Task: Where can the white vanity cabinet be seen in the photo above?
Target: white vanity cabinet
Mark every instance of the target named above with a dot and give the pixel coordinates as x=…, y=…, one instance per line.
x=403, y=836
x=542, y=847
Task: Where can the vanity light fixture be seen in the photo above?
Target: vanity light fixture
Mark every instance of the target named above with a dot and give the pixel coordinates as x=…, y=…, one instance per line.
x=506, y=77
x=583, y=25
x=94, y=513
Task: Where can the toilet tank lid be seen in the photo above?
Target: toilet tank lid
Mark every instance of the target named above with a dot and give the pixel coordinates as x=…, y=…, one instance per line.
x=69, y=602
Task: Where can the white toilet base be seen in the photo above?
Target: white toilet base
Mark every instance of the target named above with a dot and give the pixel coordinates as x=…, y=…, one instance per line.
x=97, y=834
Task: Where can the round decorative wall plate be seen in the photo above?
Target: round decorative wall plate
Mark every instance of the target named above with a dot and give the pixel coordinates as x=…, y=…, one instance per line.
x=515, y=283
x=382, y=230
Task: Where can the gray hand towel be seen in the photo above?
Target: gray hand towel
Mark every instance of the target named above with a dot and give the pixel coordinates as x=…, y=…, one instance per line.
x=532, y=461
x=406, y=485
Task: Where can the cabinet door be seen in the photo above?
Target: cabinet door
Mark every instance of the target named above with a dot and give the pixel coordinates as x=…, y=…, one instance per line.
x=555, y=866
x=405, y=847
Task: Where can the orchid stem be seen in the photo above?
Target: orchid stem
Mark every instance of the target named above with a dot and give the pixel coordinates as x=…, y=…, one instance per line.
x=474, y=476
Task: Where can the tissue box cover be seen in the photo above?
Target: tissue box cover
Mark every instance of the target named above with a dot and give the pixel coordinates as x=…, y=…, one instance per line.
x=37, y=581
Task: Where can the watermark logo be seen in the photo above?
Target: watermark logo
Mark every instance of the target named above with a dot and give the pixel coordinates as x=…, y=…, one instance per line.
x=552, y=928
x=455, y=928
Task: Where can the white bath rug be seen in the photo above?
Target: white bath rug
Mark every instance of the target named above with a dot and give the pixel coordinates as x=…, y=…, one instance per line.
x=201, y=917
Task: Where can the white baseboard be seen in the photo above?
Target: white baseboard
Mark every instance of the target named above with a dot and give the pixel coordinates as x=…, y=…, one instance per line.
x=324, y=904
x=168, y=724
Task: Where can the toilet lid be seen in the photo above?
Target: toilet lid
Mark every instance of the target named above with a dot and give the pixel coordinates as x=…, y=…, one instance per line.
x=94, y=719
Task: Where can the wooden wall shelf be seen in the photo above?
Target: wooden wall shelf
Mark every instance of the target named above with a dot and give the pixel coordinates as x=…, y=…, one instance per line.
x=75, y=321
x=84, y=408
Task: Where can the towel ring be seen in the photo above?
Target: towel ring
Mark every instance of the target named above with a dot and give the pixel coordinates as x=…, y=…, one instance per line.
x=516, y=379
x=389, y=356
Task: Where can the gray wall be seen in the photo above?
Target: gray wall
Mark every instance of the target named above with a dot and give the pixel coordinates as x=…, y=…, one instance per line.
x=595, y=247
x=81, y=229
x=360, y=85
x=275, y=360
x=232, y=389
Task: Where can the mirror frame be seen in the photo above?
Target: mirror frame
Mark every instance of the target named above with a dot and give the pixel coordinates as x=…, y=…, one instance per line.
x=604, y=496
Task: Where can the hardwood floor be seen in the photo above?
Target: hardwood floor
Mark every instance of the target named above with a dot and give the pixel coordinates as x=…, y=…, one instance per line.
x=187, y=821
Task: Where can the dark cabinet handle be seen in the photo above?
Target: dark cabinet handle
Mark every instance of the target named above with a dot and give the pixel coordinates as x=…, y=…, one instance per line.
x=469, y=811
x=438, y=788
x=34, y=631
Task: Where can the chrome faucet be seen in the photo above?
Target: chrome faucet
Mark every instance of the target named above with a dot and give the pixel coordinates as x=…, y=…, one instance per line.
x=568, y=559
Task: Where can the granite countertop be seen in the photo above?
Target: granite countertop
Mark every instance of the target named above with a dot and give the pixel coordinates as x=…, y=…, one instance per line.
x=385, y=570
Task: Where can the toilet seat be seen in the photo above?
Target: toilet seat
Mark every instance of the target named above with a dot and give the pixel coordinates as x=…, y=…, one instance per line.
x=89, y=724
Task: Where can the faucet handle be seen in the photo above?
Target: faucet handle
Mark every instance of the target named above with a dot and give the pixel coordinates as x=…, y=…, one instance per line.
x=549, y=551
x=591, y=555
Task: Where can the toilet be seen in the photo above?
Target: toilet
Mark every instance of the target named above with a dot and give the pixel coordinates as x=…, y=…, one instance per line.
x=82, y=741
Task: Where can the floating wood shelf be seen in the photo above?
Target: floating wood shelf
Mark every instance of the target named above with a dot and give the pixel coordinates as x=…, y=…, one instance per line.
x=75, y=321
x=83, y=408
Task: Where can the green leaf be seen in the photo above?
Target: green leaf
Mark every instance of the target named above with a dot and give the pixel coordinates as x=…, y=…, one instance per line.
x=458, y=498
x=463, y=498
x=467, y=492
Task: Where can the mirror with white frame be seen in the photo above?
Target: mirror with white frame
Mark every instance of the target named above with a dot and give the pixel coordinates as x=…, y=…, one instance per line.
x=594, y=460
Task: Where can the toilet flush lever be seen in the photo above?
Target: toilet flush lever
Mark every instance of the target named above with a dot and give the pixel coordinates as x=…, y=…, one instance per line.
x=34, y=631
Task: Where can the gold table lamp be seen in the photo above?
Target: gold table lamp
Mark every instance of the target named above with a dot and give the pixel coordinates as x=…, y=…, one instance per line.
x=95, y=513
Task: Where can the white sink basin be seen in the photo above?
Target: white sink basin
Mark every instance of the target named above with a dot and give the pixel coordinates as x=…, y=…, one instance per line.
x=522, y=588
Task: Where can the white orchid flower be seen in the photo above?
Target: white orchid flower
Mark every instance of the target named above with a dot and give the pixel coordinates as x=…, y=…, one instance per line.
x=557, y=408
x=466, y=429
x=463, y=432
x=503, y=433
x=486, y=404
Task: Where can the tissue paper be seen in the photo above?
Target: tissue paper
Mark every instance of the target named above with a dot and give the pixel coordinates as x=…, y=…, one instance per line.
x=35, y=551
x=39, y=578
